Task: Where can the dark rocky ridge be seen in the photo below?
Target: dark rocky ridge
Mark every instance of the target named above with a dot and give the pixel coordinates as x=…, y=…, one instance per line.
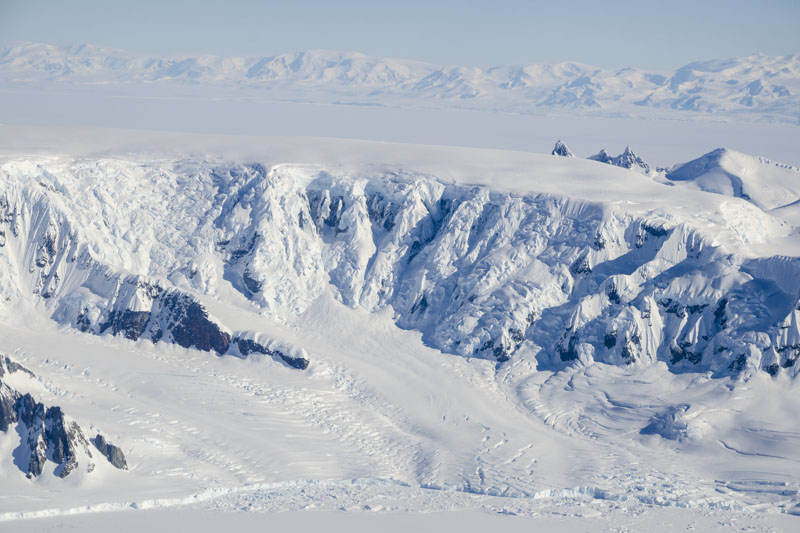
x=112, y=453
x=561, y=149
x=174, y=317
x=248, y=346
x=45, y=433
x=134, y=307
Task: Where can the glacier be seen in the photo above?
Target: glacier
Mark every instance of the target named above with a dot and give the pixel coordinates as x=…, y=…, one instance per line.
x=284, y=323
x=478, y=272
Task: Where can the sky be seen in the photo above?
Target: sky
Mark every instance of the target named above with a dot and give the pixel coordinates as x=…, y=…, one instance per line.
x=613, y=34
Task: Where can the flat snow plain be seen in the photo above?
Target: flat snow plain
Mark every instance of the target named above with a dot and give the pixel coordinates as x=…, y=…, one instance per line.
x=382, y=431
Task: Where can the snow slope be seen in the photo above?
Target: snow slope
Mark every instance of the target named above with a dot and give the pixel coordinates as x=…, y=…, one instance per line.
x=513, y=332
x=765, y=183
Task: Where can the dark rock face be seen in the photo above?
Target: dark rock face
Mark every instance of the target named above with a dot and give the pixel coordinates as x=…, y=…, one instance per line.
x=562, y=150
x=248, y=346
x=173, y=317
x=130, y=305
x=8, y=396
x=8, y=415
x=112, y=453
x=628, y=159
x=62, y=438
x=191, y=326
x=7, y=366
x=30, y=415
x=131, y=324
x=602, y=156
x=45, y=433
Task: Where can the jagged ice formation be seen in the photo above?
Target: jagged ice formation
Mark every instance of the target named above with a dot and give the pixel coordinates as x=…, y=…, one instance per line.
x=480, y=272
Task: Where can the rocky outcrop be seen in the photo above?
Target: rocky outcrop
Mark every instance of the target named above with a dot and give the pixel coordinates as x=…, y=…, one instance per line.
x=602, y=156
x=248, y=346
x=126, y=305
x=627, y=159
x=46, y=434
x=30, y=417
x=112, y=453
x=479, y=273
x=170, y=316
x=562, y=150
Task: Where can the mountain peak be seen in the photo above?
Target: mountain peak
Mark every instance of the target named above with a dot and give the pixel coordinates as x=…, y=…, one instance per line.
x=601, y=156
x=561, y=149
x=767, y=184
x=629, y=159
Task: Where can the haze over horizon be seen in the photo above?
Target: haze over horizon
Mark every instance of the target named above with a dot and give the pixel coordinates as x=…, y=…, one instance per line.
x=612, y=35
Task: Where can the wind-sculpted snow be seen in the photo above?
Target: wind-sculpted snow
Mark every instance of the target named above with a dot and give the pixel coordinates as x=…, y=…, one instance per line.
x=134, y=248
x=760, y=87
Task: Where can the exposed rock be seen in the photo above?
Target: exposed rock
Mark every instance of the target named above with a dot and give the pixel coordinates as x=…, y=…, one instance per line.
x=562, y=150
x=248, y=346
x=628, y=159
x=112, y=453
x=173, y=317
x=602, y=156
x=62, y=439
x=190, y=325
x=8, y=398
x=600, y=285
x=30, y=416
x=45, y=433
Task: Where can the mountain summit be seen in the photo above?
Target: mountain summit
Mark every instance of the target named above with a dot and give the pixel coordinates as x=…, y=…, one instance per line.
x=562, y=150
x=602, y=156
x=767, y=184
x=628, y=159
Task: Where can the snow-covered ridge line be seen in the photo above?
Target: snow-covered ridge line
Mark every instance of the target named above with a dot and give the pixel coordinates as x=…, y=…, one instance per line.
x=479, y=272
x=760, y=86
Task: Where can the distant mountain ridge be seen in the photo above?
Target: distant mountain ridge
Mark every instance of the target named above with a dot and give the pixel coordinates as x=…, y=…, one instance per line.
x=758, y=86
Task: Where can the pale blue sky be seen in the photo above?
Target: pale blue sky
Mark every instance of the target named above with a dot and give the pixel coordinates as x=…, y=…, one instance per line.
x=657, y=34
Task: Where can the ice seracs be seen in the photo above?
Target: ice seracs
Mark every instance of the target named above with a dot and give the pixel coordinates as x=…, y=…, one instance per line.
x=520, y=330
x=479, y=272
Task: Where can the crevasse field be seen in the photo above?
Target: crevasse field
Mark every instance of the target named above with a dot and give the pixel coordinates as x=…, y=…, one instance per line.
x=308, y=332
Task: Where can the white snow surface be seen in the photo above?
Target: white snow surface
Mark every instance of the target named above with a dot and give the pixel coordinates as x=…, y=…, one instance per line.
x=759, y=87
x=310, y=243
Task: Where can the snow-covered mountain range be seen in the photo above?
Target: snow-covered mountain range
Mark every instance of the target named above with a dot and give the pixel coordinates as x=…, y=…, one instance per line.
x=347, y=324
x=479, y=272
x=758, y=87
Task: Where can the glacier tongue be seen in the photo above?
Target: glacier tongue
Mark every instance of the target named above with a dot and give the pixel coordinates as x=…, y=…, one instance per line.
x=135, y=248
